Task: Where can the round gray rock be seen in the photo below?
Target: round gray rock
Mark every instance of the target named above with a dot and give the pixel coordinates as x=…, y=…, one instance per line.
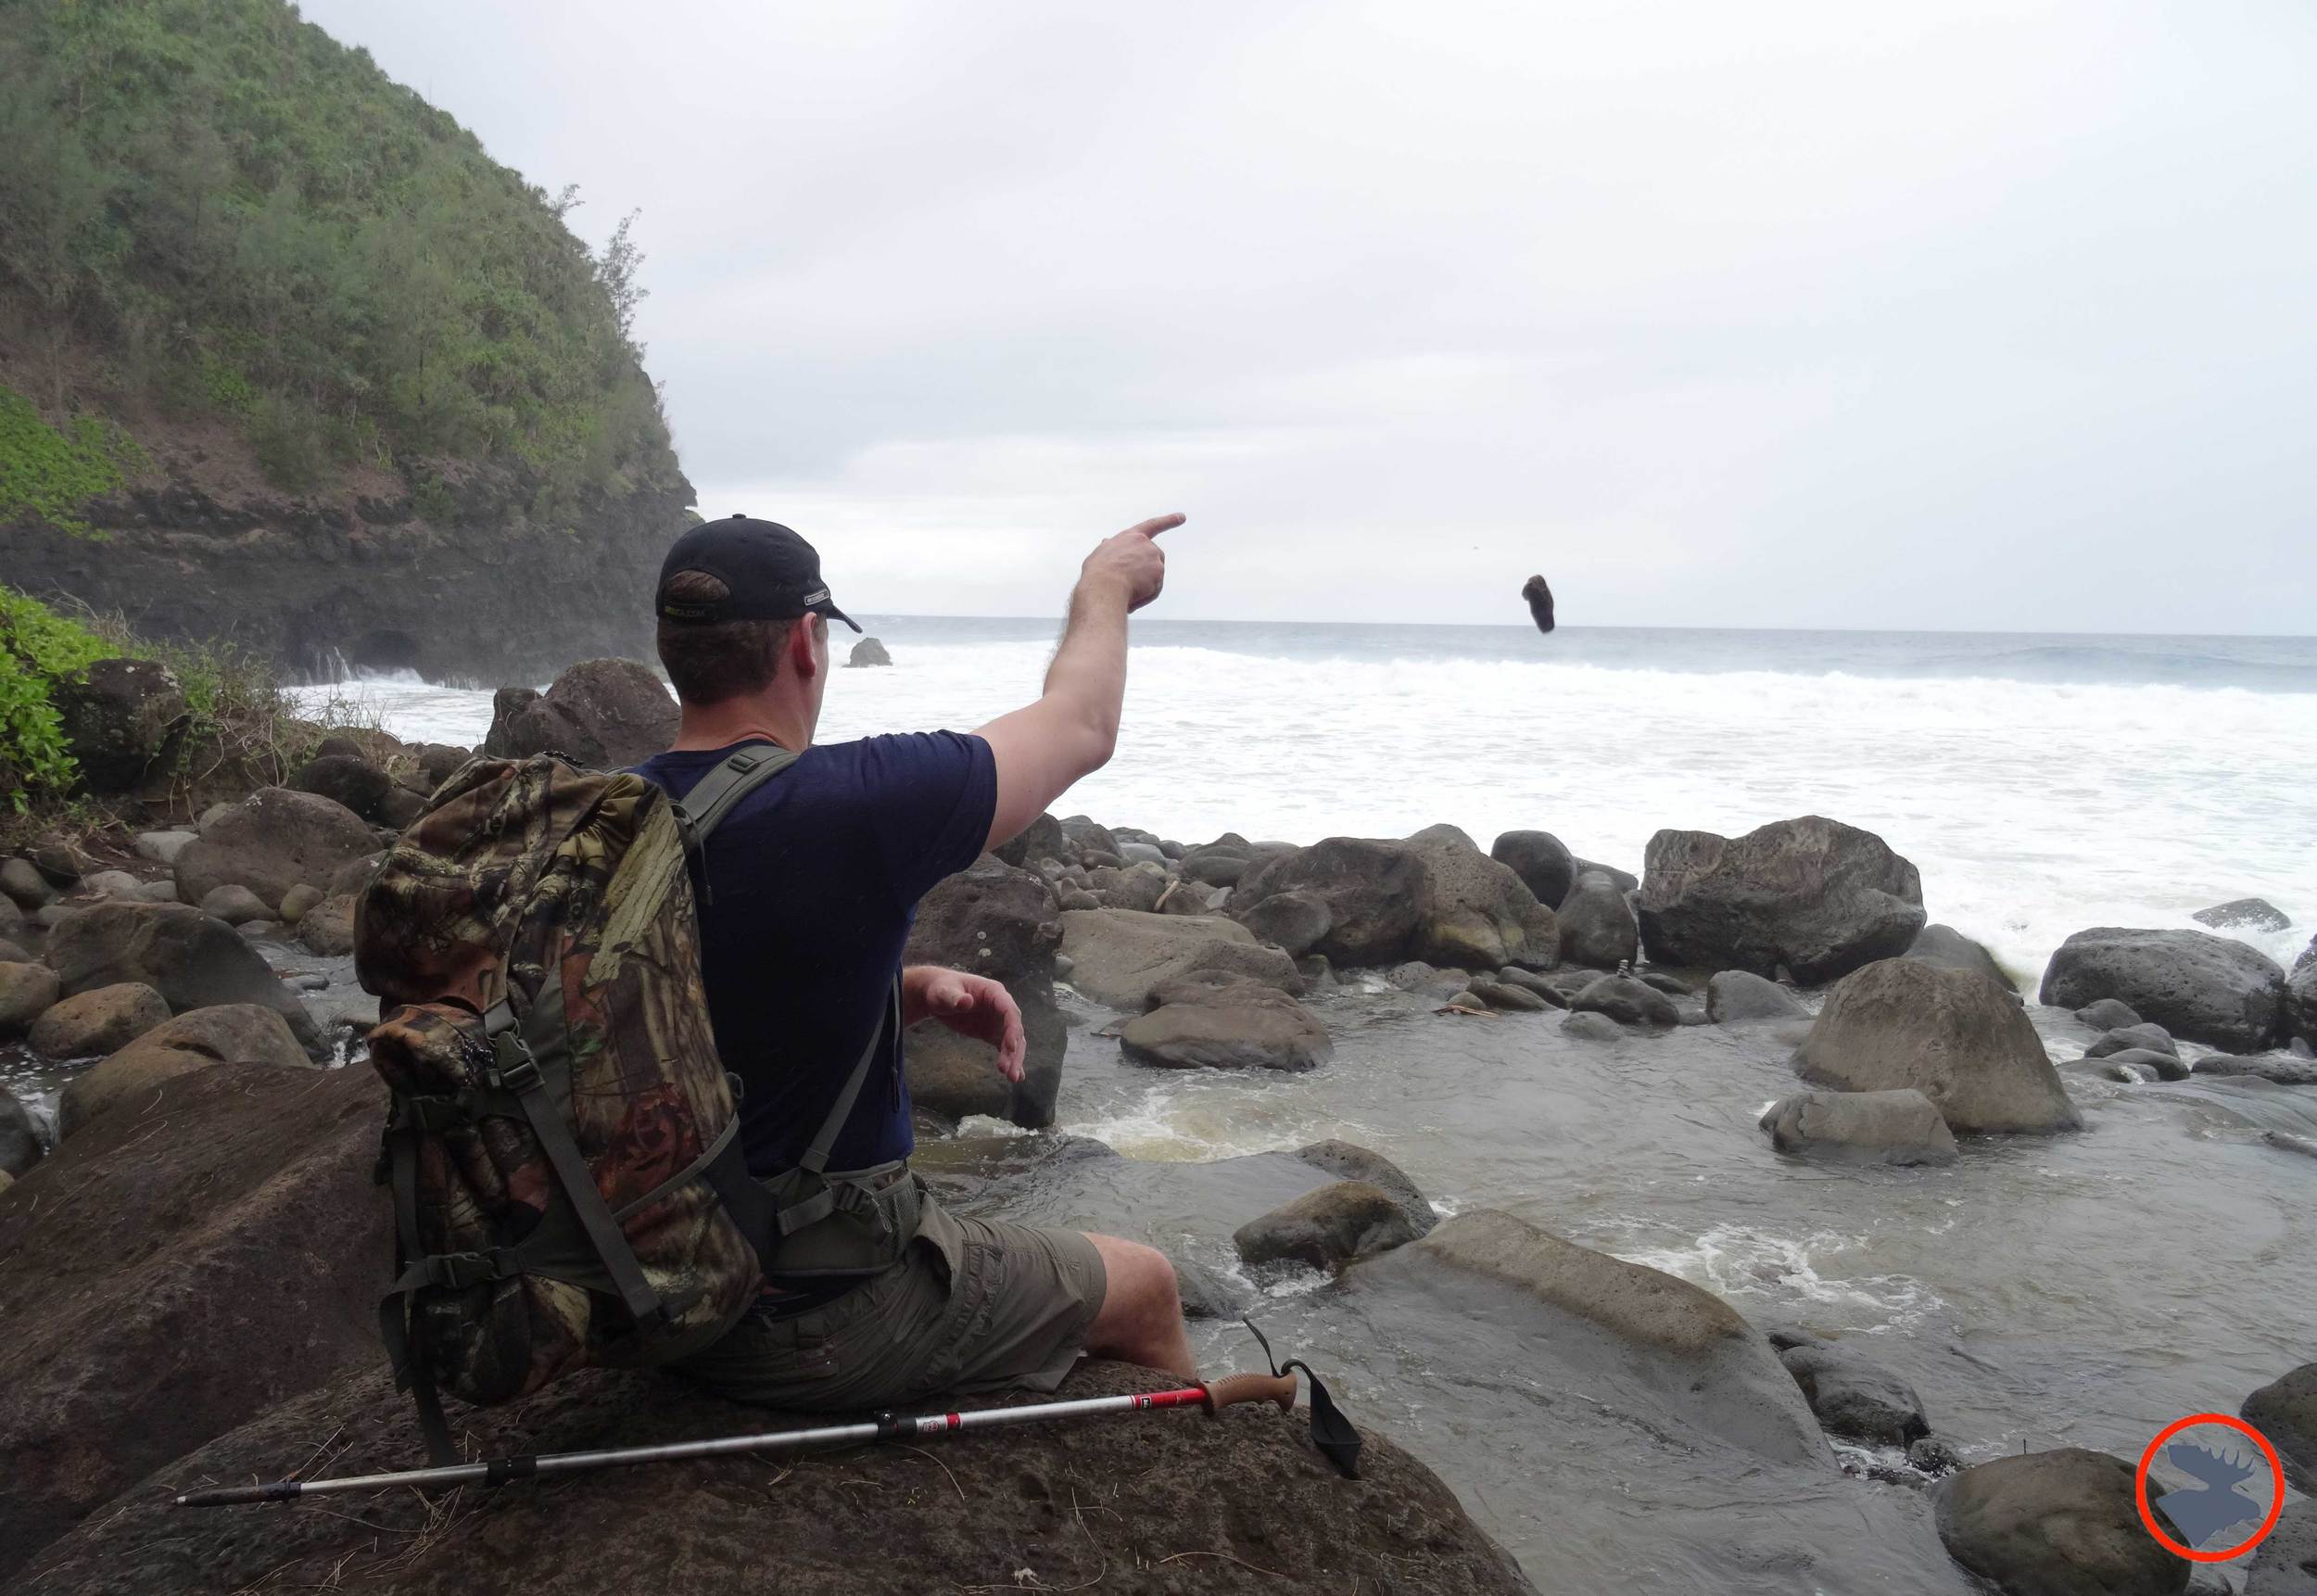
x=2207, y=988
x=1896, y=1127
x=2062, y=1523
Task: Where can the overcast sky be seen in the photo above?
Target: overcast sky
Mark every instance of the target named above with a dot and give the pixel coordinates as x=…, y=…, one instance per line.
x=1969, y=315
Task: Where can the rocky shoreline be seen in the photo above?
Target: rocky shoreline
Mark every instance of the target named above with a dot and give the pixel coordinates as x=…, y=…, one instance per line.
x=158, y=988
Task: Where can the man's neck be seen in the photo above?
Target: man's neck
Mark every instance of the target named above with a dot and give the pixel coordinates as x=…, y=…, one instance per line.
x=711, y=726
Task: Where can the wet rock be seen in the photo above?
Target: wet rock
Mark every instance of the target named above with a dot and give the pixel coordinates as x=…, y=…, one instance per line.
x=1592, y=1028
x=297, y=900
x=868, y=652
x=1817, y=896
x=27, y=992
x=191, y=960
x=1543, y=864
x=2060, y=1523
x=1242, y=1025
x=1854, y=1398
x=996, y=921
x=1464, y=1000
x=1118, y=956
x=1351, y=1162
x=1623, y=881
x=2152, y=1064
x=869, y=1522
x=248, y=1275
x=23, y=885
x=1210, y=1293
x=603, y=715
x=1425, y=980
x=1949, y=1034
x=1645, y=1342
x=2287, y=1562
x=1506, y=999
x=1432, y=897
x=2207, y=988
x=121, y=719
x=20, y=1144
x=230, y=1033
x=1626, y=1001
x=1328, y=1228
x=1934, y=1457
x=2244, y=914
x=1950, y=949
x=2108, y=1015
x=2125, y=1038
x=236, y=904
x=271, y=842
x=1671, y=985
x=1295, y=921
x=1896, y=1127
x=2286, y=1410
x=1597, y=925
x=2284, y=1068
x=344, y=778
x=328, y=928
x=2300, y=996
x=1528, y=980
x=92, y=1024
x=1042, y=838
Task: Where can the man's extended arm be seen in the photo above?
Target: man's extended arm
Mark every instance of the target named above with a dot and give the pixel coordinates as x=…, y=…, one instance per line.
x=1071, y=731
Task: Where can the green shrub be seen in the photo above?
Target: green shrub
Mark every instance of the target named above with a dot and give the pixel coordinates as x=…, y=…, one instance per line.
x=38, y=648
x=51, y=475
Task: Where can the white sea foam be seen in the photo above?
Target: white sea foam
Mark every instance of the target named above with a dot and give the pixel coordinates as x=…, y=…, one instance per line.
x=1740, y=1260
x=2033, y=809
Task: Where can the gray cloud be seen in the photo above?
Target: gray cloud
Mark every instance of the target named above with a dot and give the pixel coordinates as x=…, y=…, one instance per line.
x=1983, y=315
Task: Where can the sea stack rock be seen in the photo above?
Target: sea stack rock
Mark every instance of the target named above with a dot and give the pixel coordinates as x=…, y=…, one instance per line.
x=868, y=651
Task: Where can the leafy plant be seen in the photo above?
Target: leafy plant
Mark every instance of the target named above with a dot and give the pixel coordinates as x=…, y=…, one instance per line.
x=38, y=650
x=50, y=474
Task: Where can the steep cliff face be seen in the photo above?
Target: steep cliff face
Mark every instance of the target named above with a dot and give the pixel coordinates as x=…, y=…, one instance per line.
x=287, y=358
x=456, y=582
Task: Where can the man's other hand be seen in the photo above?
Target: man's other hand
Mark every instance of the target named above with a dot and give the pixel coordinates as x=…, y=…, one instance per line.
x=1134, y=559
x=972, y=1006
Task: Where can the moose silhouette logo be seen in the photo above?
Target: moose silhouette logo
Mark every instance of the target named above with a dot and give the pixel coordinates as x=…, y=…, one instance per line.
x=2237, y=1493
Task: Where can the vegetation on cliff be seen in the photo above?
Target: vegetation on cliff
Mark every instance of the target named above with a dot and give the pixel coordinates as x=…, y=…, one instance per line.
x=210, y=207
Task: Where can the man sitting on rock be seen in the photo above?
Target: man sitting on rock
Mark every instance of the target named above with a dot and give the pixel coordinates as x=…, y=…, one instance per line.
x=809, y=888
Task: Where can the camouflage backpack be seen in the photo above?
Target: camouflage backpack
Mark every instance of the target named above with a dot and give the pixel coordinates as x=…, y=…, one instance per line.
x=564, y=1144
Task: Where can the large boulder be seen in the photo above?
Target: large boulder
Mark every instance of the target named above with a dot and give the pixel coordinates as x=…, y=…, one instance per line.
x=1042, y=838
x=1813, y=894
x=1328, y=1228
x=604, y=713
x=2062, y=1523
x=27, y=992
x=1295, y=921
x=346, y=779
x=1118, y=956
x=1627, y=1001
x=201, y=1255
x=1351, y=1162
x=327, y=928
x=231, y=1034
x=190, y=959
x=2286, y=1410
x=2210, y=989
x=271, y=842
x=997, y=920
x=2244, y=914
x=90, y=1024
x=2287, y=1562
x=1741, y=997
x=123, y=719
x=1544, y=865
x=1242, y=1503
x=1648, y=1344
x=1434, y=896
x=1949, y=1034
x=868, y=652
x=1597, y=925
x=1236, y=1025
x=1950, y=949
x=1899, y=1127
x=1854, y=1398
x=2300, y=996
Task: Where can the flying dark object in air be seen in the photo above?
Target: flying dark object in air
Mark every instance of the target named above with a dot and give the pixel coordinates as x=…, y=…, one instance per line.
x=1539, y=599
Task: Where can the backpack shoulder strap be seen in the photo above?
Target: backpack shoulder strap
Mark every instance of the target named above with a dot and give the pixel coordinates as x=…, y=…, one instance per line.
x=713, y=796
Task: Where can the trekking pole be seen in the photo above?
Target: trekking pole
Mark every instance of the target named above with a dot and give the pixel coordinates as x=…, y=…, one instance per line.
x=1213, y=1395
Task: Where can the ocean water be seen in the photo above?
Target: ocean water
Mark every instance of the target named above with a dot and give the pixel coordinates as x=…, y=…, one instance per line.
x=2040, y=783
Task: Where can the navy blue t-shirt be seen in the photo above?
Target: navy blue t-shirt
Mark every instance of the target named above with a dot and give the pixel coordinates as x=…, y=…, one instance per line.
x=813, y=883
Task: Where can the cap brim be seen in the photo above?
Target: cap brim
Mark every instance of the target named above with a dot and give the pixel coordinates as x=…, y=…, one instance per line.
x=835, y=614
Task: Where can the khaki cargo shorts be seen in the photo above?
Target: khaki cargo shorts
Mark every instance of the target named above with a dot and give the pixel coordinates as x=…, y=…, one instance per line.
x=975, y=1306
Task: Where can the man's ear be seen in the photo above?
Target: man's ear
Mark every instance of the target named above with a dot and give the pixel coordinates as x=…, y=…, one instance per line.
x=803, y=659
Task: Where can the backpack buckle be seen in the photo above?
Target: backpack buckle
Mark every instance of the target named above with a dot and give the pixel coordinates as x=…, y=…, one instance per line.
x=512, y=1067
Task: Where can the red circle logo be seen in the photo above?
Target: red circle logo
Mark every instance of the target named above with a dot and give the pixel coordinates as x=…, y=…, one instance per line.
x=2276, y=1491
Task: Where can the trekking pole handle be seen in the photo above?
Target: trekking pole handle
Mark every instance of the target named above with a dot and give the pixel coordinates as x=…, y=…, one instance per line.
x=1231, y=1389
